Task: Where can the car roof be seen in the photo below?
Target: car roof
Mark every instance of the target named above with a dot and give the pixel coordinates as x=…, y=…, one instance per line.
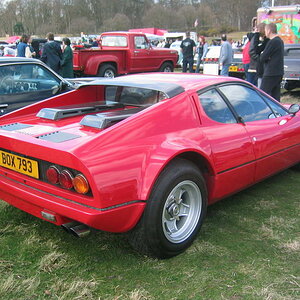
x=7, y=59
x=171, y=84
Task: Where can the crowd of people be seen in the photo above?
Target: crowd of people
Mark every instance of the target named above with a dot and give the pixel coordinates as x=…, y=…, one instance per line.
x=189, y=48
x=262, y=56
x=263, y=59
x=58, y=57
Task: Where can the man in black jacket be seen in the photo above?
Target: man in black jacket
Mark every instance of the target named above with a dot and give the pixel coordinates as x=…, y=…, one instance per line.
x=52, y=53
x=272, y=59
x=257, y=45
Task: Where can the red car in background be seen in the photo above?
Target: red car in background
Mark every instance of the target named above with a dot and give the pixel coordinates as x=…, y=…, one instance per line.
x=144, y=154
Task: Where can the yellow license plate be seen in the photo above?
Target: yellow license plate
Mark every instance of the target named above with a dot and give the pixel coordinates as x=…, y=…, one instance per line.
x=233, y=69
x=20, y=164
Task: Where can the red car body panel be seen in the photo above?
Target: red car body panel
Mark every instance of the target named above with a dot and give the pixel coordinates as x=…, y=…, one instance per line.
x=126, y=59
x=122, y=162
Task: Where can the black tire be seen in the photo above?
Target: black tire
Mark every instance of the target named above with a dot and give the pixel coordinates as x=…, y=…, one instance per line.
x=108, y=71
x=166, y=67
x=183, y=214
x=290, y=85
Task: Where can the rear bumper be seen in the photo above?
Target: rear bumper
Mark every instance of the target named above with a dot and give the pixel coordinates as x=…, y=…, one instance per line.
x=113, y=219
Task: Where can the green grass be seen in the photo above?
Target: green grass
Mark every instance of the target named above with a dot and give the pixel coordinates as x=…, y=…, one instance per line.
x=248, y=248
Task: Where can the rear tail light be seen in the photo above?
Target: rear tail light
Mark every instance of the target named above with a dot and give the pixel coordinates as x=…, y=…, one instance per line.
x=52, y=175
x=81, y=185
x=66, y=179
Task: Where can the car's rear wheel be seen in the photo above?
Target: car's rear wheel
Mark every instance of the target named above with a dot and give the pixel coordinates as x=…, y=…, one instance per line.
x=108, y=71
x=174, y=212
x=166, y=67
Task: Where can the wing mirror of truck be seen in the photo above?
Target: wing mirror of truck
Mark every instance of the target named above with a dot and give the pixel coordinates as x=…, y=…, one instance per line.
x=293, y=109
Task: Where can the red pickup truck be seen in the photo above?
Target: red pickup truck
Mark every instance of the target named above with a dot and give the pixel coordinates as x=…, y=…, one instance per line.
x=122, y=53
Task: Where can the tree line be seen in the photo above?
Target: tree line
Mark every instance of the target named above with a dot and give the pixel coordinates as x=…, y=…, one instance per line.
x=37, y=17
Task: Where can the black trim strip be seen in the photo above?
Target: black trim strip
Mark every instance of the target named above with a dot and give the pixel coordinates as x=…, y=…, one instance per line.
x=74, y=202
x=256, y=160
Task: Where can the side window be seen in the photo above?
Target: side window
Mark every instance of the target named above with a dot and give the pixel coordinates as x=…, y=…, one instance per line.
x=215, y=107
x=140, y=42
x=277, y=109
x=293, y=52
x=247, y=103
x=25, y=78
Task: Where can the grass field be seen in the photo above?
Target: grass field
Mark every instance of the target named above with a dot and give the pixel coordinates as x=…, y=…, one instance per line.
x=248, y=248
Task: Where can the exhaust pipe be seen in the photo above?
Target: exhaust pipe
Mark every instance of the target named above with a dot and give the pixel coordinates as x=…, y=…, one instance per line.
x=80, y=230
x=77, y=229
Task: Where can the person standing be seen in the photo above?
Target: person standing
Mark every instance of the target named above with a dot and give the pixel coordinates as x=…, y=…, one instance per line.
x=52, y=53
x=272, y=59
x=226, y=55
x=201, y=50
x=246, y=58
x=257, y=45
x=23, y=46
x=188, y=47
x=67, y=59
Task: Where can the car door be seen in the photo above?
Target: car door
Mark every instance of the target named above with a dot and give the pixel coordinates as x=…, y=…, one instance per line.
x=231, y=146
x=141, y=54
x=275, y=134
x=24, y=84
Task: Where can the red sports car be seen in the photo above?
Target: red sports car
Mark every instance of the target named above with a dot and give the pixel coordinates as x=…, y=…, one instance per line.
x=144, y=154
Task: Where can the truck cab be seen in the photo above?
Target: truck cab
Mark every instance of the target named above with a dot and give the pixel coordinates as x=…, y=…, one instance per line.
x=123, y=53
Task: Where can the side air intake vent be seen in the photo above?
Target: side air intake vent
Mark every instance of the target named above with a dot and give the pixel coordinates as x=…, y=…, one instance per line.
x=105, y=120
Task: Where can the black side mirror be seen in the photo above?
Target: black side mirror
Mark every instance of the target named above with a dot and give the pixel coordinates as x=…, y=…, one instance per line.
x=294, y=108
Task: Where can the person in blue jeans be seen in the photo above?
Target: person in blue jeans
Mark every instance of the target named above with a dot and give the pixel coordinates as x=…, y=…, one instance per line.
x=188, y=48
x=226, y=55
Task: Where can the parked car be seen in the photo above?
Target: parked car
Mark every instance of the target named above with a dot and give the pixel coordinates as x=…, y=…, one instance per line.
x=24, y=81
x=211, y=63
x=123, y=53
x=144, y=154
x=291, y=77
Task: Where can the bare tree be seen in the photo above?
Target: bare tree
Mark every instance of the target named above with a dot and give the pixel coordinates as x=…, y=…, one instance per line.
x=94, y=16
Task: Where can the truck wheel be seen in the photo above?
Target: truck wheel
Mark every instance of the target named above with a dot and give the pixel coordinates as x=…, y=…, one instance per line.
x=289, y=85
x=174, y=212
x=107, y=70
x=166, y=67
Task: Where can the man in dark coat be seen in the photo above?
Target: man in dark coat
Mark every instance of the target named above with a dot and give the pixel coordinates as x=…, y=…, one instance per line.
x=67, y=60
x=52, y=54
x=272, y=59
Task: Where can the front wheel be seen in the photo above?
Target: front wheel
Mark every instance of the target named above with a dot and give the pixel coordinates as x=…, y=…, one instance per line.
x=166, y=67
x=174, y=212
x=108, y=71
